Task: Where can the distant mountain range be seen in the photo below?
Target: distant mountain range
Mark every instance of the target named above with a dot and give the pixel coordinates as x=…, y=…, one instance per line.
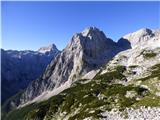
x=19, y=68
x=95, y=78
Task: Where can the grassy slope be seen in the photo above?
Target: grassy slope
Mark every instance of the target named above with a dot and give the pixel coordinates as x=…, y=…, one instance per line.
x=88, y=100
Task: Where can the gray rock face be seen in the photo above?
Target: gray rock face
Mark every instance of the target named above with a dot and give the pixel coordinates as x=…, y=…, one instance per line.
x=50, y=50
x=19, y=68
x=87, y=51
x=124, y=43
x=140, y=36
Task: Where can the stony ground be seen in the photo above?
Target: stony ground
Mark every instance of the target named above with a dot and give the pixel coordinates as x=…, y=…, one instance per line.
x=131, y=114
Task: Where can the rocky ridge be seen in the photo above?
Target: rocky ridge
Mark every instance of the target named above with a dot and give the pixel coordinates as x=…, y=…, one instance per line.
x=19, y=68
x=125, y=84
x=86, y=51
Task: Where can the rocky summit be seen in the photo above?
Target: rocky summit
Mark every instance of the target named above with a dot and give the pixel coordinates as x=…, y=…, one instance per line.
x=96, y=78
x=87, y=51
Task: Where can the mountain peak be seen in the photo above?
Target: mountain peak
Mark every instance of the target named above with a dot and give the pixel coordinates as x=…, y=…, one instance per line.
x=140, y=36
x=144, y=31
x=50, y=48
x=90, y=30
x=140, y=33
x=90, y=38
x=83, y=54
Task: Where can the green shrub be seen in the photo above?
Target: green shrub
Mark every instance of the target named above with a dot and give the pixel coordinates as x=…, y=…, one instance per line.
x=148, y=54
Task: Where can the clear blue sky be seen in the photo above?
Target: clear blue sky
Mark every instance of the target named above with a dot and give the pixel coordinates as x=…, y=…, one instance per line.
x=30, y=25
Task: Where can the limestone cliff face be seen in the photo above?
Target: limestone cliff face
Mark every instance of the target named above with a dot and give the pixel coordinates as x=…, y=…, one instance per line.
x=87, y=51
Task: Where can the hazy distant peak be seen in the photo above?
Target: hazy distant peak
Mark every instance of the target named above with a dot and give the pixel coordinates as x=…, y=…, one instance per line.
x=49, y=48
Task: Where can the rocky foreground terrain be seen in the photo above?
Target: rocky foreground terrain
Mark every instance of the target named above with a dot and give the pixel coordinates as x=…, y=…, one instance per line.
x=96, y=78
